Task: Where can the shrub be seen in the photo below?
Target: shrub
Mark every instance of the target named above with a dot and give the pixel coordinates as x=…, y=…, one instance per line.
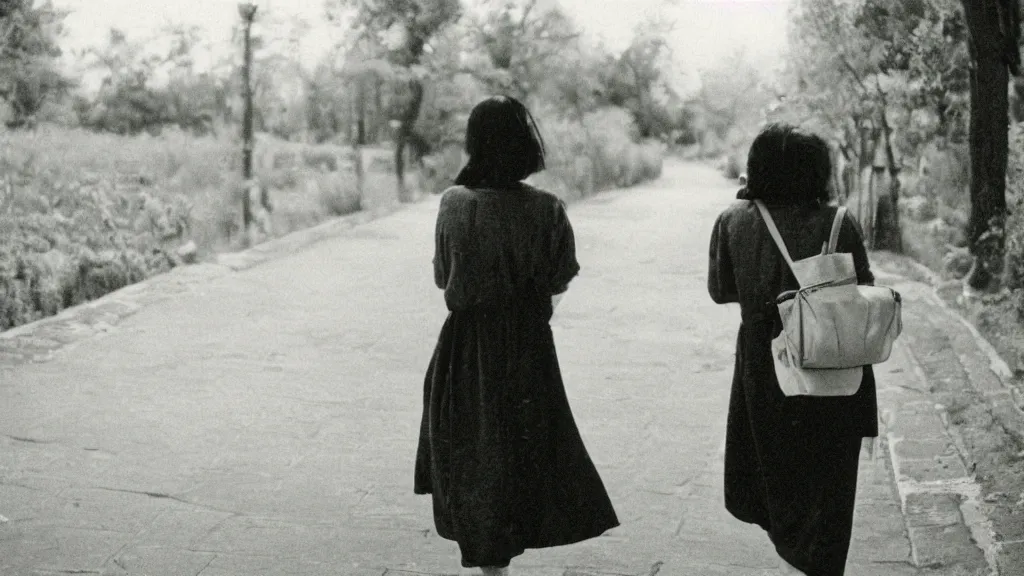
x=601, y=153
x=733, y=166
x=935, y=210
x=957, y=262
x=64, y=243
x=947, y=175
x=441, y=167
x=320, y=158
x=83, y=213
x=338, y=194
x=919, y=208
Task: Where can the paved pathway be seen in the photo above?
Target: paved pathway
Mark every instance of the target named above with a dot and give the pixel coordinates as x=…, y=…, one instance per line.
x=264, y=422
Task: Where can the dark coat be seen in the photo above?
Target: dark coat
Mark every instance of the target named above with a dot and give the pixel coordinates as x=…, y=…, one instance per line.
x=499, y=449
x=790, y=463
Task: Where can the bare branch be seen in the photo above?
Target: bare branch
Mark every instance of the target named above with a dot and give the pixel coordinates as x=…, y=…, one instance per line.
x=530, y=5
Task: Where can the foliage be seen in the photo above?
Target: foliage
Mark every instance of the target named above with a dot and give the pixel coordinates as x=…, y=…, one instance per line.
x=727, y=111
x=890, y=82
x=516, y=41
x=853, y=62
x=886, y=81
x=403, y=29
x=636, y=80
x=148, y=84
x=600, y=153
x=731, y=98
x=1014, y=269
x=29, y=75
x=83, y=214
x=66, y=240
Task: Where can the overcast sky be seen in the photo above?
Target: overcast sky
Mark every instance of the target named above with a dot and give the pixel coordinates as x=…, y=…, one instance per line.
x=707, y=30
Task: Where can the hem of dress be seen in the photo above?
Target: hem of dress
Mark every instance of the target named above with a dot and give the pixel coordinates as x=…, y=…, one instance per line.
x=796, y=561
x=574, y=539
x=747, y=518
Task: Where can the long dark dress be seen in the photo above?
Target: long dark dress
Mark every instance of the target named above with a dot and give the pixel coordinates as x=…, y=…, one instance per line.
x=790, y=463
x=499, y=449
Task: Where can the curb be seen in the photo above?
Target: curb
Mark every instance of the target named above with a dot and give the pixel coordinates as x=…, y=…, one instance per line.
x=938, y=496
x=38, y=341
x=295, y=241
x=948, y=515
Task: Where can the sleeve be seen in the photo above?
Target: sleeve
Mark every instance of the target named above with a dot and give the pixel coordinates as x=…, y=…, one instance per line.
x=564, y=266
x=440, y=249
x=851, y=239
x=721, y=279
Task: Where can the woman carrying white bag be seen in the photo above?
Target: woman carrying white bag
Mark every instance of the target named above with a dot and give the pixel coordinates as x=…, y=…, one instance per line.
x=791, y=461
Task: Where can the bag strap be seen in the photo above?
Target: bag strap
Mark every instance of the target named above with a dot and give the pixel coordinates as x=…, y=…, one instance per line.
x=837, y=224
x=767, y=217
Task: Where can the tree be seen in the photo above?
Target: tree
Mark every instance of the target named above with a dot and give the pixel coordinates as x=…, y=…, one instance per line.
x=28, y=58
x=730, y=101
x=127, y=103
x=993, y=37
x=850, y=62
x=520, y=39
x=406, y=28
x=635, y=79
x=193, y=99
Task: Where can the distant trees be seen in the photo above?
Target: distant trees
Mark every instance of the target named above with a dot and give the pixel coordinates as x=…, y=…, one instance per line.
x=29, y=49
x=402, y=74
x=404, y=29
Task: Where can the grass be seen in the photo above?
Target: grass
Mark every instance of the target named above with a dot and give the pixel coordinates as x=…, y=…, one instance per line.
x=83, y=214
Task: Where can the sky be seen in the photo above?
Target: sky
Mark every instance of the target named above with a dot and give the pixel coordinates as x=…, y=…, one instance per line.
x=706, y=30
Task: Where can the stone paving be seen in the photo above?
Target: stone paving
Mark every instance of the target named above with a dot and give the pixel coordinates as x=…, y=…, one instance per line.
x=261, y=420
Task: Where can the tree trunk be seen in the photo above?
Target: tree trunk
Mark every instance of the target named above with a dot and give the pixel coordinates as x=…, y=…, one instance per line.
x=989, y=141
x=378, y=111
x=360, y=140
x=888, y=234
x=408, y=120
x=360, y=111
x=870, y=225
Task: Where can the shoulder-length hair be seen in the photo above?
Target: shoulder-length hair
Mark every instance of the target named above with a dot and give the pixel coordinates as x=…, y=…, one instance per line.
x=503, y=143
x=787, y=166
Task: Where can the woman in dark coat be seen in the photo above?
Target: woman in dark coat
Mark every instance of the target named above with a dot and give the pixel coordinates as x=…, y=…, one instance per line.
x=790, y=462
x=499, y=450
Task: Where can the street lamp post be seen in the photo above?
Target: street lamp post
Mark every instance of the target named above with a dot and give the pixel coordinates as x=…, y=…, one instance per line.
x=247, y=10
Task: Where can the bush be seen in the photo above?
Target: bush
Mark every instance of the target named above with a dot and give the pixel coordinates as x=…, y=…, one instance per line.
x=442, y=167
x=919, y=208
x=338, y=195
x=321, y=159
x=602, y=153
x=63, y=243
x=733, y=166
x=947, y=175
x=935, y=210
x=83, y=214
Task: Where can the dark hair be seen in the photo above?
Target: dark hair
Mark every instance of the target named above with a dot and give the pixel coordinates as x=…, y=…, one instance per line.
x=503, y=143
x=787, y=165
